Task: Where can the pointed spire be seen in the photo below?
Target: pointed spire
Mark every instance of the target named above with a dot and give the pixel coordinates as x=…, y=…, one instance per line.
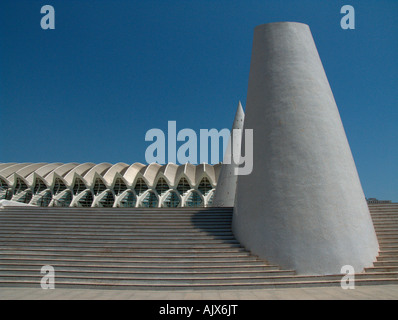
x=239, y=117
x=226, y=183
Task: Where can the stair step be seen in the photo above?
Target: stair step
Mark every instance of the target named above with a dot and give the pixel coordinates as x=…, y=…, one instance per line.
x=135, y=244
x=189, y=284
x=134, y=233
x=94, y=248
x=154, y=237
x=124, y=228
x=128, y=257
x=128, y=244
x=386, y=229
x=271, y=275
x=126, y=251
x=124, y=267
x=123, y=279
x=138, y=263
x=382, y=269
x=388, y=258
x=148, y=275
x=386, y=241
x=106, y=254
x=388, y=252
x=382, y=236
x=387, y=224
x=386, y=264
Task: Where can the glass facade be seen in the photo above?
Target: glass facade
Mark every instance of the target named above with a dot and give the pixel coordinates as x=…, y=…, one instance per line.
x=79, y=186
x=172, y=200
x=5, y=191
x=26, y=197
x=64, y=201
x=39, y=186
x=140, y=186
x=45, y=199
x=99, y=187
x=210, y=201
x=86, y=200
x=20, y=186
x=162, y=187
x=194, y=200
x=128, y=201
x=150, y=200
x=119, y=187
x=183, y=186
x=107, y=200
x=59, y=186
x=205, y=187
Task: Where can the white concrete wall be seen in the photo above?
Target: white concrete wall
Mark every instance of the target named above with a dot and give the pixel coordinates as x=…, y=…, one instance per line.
x=303, y=206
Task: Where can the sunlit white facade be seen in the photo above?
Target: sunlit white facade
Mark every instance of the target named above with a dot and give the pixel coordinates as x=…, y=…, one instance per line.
x=107, y=185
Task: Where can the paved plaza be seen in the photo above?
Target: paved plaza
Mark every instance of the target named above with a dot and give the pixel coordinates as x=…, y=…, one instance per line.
x=382, y=292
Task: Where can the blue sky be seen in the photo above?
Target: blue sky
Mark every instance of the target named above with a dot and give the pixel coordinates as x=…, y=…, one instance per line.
x=111, y=70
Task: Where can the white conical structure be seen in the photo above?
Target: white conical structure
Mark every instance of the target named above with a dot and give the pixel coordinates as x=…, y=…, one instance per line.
x=302, y=207
x=226, y=184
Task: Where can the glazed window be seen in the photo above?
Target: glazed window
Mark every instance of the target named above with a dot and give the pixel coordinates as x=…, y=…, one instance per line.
x=172, y=200
x=210, y=201
x=39, y=186
x=119, y=187
x=45, y=199
x=86, y=200
x=128, y=201
x=183, y=186
x=107, y=200
x=99, y=187
x=20, y=186
x=5, y=191
x=194, y=200
x=140, y=186
x=26, y=197
x=59, y=186
x=65, y=200
x=162, y=187
x=205, y=187
x=79, y=186
x=150, y=200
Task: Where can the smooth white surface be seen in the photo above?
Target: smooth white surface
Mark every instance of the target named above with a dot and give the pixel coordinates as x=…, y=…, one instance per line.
x=224, y=195
x=303, y=206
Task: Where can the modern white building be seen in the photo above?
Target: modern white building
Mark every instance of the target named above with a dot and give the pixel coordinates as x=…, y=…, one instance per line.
x=107, y=185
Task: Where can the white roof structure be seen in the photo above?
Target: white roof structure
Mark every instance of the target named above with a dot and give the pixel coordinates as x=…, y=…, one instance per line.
x=109, y=185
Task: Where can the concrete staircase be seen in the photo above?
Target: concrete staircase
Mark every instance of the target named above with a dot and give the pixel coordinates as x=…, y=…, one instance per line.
x=385, y=221
x=184, y=248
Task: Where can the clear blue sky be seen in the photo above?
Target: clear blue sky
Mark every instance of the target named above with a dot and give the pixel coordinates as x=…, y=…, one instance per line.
x=111, y=70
